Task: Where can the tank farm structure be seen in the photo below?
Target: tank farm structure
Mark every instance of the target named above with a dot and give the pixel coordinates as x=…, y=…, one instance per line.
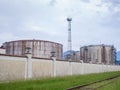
x=39, y=48
x=101, y=54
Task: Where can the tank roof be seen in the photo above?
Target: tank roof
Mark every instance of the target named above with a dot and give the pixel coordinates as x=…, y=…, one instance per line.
x=98, y=45
x=33, y=40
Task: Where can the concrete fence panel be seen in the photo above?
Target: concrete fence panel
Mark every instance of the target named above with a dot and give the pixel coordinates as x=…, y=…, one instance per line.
x=77, y=68
x=62, y=68
x=11, y=68
x=41, y=68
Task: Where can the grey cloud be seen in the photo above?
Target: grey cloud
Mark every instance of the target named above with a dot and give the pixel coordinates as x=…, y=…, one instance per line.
x=113, y=2
x=15, y=14
x=112, y=17
x=52, y=2
x=86, y=1
x=112, y=21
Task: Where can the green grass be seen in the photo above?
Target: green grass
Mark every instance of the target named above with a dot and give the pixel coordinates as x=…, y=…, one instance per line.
x=112, y=86
x=58, y=83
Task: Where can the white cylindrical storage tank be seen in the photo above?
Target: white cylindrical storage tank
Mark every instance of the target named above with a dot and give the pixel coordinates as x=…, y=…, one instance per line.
x=40, y=48
x=103, y=54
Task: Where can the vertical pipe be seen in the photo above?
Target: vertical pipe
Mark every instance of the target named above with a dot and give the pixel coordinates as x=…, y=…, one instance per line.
x=13, y=51
x=103, y=54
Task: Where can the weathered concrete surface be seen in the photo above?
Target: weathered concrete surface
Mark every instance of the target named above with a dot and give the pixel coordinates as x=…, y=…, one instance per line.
x=42, y=68
x=13, y=67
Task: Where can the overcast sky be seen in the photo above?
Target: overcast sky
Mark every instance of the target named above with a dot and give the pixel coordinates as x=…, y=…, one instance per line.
x=93, y=21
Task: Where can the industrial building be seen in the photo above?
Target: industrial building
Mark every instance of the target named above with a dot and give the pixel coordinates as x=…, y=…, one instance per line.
x=39, y=48
x=75, y=55
x=98, y=54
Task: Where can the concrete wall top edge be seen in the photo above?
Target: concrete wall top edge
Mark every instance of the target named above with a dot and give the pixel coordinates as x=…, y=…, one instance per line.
x=2, y=48
x=49, y=59
x=11, y=55
x=32, y=57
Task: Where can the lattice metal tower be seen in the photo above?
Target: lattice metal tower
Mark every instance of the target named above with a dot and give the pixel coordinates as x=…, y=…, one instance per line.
x=69, y=37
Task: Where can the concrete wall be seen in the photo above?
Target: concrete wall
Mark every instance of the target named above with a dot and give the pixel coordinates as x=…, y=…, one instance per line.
x=62, y=68
x=2, y=51
x=14, y=67
x=41, y=68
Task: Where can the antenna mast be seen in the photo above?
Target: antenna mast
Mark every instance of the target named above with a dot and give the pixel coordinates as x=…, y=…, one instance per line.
x=69, y=37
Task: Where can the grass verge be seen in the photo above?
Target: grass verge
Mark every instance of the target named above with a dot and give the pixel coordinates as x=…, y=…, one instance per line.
x=58, y=83
x=112, y=86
